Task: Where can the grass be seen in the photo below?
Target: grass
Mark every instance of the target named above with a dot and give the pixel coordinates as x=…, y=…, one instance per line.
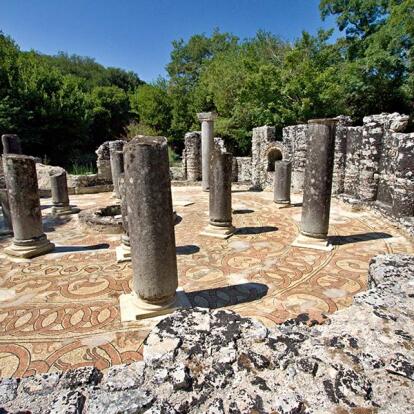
x=82, y=169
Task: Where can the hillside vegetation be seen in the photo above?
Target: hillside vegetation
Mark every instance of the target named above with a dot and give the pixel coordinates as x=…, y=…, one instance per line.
x=64, y=106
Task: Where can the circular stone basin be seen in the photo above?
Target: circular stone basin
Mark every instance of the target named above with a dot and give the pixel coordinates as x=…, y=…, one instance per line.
x=108, y=219
x=103, y=219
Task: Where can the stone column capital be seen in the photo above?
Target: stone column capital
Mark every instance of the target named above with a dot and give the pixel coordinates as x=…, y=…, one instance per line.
x=207, y=116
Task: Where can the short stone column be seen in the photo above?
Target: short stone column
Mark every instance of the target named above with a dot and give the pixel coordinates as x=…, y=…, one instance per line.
x=21, y=181
x=60, y=195
x=123, y=251
x=11, y=144
x=117, y=163
x=318, y=184
x=207, y=144
x=151, y=230
x=281, y=183
x=4, y=203
x=220, y=211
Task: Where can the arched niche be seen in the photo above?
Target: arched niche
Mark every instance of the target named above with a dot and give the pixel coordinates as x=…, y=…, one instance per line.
x=273, y=154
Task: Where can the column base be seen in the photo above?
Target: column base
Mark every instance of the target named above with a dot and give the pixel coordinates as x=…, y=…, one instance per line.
x=282, y=204
x=29, y=249
x=312, y=243
x=123, y=253
x=63, y=211
x=218, y=232
x=133, y=308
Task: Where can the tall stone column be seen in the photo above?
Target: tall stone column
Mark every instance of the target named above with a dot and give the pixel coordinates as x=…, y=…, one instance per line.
x=318, y=184
x=220, y=211
x=151, y=229
x=60, y=195
x=207, y=145
x=281, y=184
x=123, y=252
x=117, y=163
x=21, y=180
x=4, y=203
x=11, y=144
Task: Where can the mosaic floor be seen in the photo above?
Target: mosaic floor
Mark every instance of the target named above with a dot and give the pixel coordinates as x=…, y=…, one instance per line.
x=61, y=310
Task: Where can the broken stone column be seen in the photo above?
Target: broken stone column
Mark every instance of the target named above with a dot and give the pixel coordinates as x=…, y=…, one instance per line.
x=220, y=211
x=11, y=144
x=4, y=203
x=123, y=252
x=60, y=195
x=21, y=181
x=282, y=180
x=117, y=163
x=192, y=156
x=207, y=144
x=318, y=184
x=151, y=229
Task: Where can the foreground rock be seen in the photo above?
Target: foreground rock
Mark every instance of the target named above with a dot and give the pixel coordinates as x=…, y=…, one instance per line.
x=200, y=361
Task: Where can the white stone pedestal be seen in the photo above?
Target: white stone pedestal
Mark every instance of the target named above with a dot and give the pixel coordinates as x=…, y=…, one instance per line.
x=312, y=243
x=218, y=232
x=133, y=308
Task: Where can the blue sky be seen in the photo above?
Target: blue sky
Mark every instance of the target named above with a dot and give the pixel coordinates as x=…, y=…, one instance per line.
x=137, y=34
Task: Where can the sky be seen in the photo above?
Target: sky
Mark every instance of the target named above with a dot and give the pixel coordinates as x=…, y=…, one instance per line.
x=137, y=34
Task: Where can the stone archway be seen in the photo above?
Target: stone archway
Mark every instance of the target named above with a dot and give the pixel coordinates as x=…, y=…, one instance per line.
x=273, y=154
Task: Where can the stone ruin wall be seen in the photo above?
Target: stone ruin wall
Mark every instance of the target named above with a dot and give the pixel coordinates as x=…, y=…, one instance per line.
x=373, y=162
x=191, y=160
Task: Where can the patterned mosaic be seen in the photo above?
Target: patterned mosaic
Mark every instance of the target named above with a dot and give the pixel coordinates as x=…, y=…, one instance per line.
x=61, y=310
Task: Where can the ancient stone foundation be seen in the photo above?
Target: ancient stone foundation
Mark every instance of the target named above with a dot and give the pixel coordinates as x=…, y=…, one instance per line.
x=199, y=361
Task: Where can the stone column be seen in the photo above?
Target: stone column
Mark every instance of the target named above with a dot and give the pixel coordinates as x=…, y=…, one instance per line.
x=60, y=196
x=11, y=144
x=318, y=185
x=151, y=229
x=207, y=144
x=117, y=163
x=21, y=180
x=220, y=211
x=4, y=203
x=123, y=252
x=281, y=183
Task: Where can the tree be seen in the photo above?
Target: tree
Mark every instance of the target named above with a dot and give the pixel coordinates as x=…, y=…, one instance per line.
x=108, y=113
x=151, y=104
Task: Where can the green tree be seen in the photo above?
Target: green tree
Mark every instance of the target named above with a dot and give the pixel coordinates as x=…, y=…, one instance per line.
x=108, y=113
x=151, y=104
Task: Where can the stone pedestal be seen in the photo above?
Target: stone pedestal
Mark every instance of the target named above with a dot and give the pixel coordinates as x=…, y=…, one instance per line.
x=60, y=196
x=151, y=230
x=281, y=183
x=21, y=180
x=4, y=203
x=11, y=144
x=117, y=164
x=123, y=251
x=207, y=145
x=220, y=211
